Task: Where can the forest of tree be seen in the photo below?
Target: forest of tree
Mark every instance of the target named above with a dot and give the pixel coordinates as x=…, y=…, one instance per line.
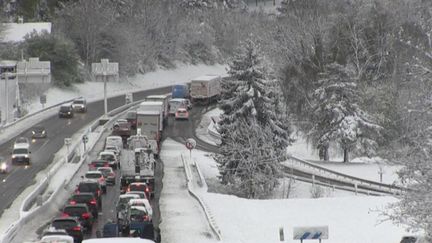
x=352, y=72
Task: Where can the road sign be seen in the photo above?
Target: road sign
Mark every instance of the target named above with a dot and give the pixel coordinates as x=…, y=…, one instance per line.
x=190, y=143
x=43, y=99
x=67, y=141
x=310, y=233
x=85, y=139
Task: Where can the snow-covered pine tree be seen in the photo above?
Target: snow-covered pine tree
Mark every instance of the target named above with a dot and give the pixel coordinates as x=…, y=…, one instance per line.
x=338, y=116
x=249, y=117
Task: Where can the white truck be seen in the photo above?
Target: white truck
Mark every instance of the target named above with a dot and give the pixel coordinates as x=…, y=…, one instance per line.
x=206, y=88
x=165, y=103
x=150, y=116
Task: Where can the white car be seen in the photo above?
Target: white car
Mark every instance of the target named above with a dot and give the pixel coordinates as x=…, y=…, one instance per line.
x=142, y=202
x=97, y=176
x=114, y=140
x=114, y=149
x=111, y=157
x=21, y=153
x=57, y=238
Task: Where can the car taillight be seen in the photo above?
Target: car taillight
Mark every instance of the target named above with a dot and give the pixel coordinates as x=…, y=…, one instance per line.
x=147, y=189
x=146, y=218
x=128, y=190
x=93, y=202
x=76, y=228
x=72, y=202
x=111, y=174
x=98, y=192
x=64, y=215
x=85, y=215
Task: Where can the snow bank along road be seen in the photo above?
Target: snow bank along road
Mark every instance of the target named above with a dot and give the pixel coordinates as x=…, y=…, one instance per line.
x=13, y=183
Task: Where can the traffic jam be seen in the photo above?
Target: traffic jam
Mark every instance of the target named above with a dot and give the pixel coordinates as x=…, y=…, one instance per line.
x=127, y=164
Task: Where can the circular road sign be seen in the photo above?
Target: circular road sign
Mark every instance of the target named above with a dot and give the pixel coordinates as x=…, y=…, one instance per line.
x=190, y=143
x=85, y=139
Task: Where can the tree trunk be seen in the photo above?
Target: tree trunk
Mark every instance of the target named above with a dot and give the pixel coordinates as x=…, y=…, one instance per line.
x=326, y=153
x=346, y=158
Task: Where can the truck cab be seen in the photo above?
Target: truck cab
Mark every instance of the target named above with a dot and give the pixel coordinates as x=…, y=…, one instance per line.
x=21, y=154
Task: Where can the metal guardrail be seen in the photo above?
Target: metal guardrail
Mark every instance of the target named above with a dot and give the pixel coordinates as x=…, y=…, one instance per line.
x=355, y=181
x=213, y=226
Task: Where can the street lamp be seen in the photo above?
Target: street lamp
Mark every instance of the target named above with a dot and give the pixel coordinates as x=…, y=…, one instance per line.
x=105, y=91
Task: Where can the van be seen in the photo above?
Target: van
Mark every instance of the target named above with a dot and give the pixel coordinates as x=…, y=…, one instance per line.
x=21, y=154
x=114, y=140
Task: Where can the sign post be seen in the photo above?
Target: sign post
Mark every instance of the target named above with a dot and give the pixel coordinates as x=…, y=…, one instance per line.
x=85, y=140
x=42, y=100
x=67, y=142
x=190, y=144
x=310, y=233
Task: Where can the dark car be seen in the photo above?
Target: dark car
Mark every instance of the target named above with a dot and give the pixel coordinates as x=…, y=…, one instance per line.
x=110, y=229
x=87, y=198
x=72, y=227
x=98, y=163
x=91, y=187
x=82, y=212
x=66, y=111
x=39, y=132
x=122, y=128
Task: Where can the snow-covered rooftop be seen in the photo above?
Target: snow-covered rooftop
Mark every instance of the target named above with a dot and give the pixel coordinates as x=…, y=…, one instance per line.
x=206, y=77
x=15, y=32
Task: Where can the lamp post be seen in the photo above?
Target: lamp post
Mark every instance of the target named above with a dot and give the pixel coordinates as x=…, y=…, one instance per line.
x=105, y=91
x=6, y=97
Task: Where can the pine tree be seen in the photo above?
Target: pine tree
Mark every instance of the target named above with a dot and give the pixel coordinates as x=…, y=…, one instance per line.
x=249, y=123
x=338, y=116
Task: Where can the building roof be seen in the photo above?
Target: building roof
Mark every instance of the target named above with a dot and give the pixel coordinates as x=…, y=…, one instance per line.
x=206, y=78
x=15, y=32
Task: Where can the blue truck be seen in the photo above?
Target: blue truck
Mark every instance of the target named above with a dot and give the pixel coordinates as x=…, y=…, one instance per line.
x=180, y=91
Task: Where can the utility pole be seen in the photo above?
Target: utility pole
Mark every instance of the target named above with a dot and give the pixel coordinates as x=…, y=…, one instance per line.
x=6, y=97
x=105, y=91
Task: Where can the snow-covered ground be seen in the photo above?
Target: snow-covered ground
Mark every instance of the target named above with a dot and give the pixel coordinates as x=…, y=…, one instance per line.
x=94, y=90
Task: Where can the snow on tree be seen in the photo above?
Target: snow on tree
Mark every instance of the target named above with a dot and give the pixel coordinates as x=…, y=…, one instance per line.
x=338, y=116
x=413, y=208
x=249, y=124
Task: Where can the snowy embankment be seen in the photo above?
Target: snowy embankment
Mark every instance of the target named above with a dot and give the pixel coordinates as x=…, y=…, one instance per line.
x=351, y=219
x=182, y=217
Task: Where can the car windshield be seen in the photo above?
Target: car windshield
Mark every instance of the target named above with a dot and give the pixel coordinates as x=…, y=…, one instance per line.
x=38, y=129
x=65, y=108
x=82, y=198
x=131, y=115
x=140, y=187
x=21, y=140
x=108, y=157
x=98, y=163
x=20, y=151
x=75, y=211
x=93, y=176
x=88, y=187
x=78, y=102
x=63, y=224
x=105, y=171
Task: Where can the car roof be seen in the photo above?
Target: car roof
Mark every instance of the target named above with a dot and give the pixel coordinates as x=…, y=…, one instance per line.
x=83, y=194
x=88, y=181
x=78, y=205
x=140, y=208
x=66, y=105
x=118, y=240
x=107, y=152
x=114, y=137
x=80, y=98
x=66, y=219
x=57, y=237
x=94, y=172
x=21, y=146
x=105, y=168
x=181, y=109
x=129, y=196
x=177, y=99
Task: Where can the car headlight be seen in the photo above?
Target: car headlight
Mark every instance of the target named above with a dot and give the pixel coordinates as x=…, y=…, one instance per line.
x=68, y=112
x=33, y=132
x=13, y=156
x=43, y=132
x=25, y=155
x=3, y=166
